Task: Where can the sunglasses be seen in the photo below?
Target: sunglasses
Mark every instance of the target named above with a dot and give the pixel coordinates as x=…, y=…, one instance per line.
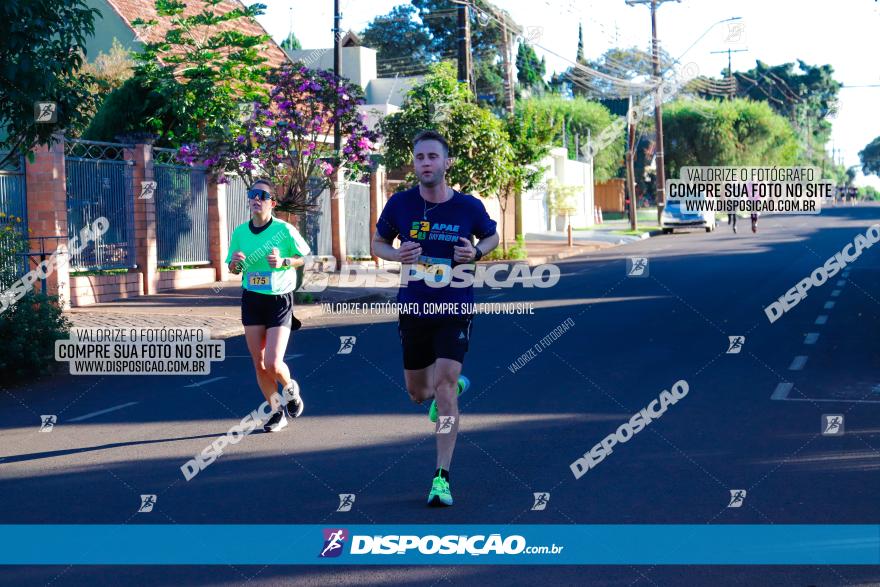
x=261, y=194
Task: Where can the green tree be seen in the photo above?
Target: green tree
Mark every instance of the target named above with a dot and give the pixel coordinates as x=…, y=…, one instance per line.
x=402, y=44
x=289, y=139
x=40, y=59
x=479, y=147
x=578, y=119
x=440, y=20
x=195, y=77
x=622, y=63
x=870, y=157
x=530, y=142
x=726, y=132
x=579, y=58
x=529, y=69
x=805, y=94
x=108, y=72
x=291, y=43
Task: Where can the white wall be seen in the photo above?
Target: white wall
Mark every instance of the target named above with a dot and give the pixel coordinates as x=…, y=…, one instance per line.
x=536, y=214
x=391, y=90
x=357, y=64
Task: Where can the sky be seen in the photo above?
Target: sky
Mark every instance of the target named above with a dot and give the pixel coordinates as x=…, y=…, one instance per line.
x=774, y=31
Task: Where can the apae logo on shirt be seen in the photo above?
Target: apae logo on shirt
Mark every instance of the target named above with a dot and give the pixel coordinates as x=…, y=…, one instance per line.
x=439, y=231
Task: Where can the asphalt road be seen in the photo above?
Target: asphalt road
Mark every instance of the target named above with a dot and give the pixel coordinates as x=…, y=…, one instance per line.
x=631, y=338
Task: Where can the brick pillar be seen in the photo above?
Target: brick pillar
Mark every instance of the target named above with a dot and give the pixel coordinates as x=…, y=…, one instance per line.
x=337, y=216
x=377, y=199
x=145, y=244
x=46, y=180
x=218, y=237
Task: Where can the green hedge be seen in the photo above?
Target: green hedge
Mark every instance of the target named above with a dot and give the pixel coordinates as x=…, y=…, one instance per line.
x=28, y=331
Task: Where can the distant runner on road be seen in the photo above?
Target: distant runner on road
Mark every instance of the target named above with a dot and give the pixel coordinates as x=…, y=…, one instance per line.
x=435, y=225
x=267, y=251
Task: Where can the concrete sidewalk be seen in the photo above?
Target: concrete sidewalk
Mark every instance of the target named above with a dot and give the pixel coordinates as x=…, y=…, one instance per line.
x=218, y=306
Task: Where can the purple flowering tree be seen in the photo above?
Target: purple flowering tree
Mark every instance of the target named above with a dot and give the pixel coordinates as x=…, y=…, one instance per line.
x=290, y=140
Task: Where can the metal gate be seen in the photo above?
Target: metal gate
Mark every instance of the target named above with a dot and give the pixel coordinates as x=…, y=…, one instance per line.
x=237, y=211
x=99, y=183
x=181, y=211
x=357, y=220
x=13, y=214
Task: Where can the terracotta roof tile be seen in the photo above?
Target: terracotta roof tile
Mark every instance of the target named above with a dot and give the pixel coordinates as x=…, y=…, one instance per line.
x=131, y=10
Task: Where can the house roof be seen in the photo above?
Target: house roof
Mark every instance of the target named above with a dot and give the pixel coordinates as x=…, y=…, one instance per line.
x=130, y=10
x=351, y=39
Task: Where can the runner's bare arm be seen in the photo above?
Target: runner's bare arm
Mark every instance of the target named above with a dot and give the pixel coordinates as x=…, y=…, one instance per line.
x=407, y=253
x=487, y=244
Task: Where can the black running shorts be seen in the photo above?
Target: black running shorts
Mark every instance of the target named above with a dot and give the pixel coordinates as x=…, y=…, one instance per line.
x=268, y=310
x=428, y=338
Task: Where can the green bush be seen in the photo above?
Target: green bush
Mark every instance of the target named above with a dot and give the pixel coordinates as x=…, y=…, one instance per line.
x=869, y=193
x=28, y=331
x=514, y=252
x=12, y=242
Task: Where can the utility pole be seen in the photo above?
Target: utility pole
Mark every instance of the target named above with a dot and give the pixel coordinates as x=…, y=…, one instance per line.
x=508, y=70
x=464, y=44
x=729, y=51
x=337, y=38
x=630, y=165
x=658, y=102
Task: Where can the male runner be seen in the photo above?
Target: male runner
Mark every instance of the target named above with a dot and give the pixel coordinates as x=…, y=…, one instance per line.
x=267, y=251
x=434, y=224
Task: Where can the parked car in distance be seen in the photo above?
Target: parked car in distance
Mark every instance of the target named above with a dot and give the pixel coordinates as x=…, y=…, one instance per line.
x=675, y=217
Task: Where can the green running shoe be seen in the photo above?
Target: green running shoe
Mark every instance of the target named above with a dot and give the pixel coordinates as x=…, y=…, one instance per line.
x=440, y=495
x=463, y=385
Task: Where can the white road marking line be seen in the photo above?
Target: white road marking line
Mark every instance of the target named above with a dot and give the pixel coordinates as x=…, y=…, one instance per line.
x=829, y=305
x=99, y=412
x=841, y=282
x=835, y=293
x=798, y=363
x=492, y=297
x=782, y=390
x=811, y=338
x=846, y=401
x=821, y=319
x=206, y=382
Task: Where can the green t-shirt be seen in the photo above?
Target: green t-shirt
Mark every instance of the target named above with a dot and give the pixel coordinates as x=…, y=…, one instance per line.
x=256, y=274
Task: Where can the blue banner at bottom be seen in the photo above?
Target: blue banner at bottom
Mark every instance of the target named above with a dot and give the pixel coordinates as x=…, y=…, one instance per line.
x=440, y=544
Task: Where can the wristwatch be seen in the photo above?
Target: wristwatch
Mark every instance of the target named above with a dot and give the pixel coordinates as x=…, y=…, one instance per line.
x=478, y=255
x=287, y=262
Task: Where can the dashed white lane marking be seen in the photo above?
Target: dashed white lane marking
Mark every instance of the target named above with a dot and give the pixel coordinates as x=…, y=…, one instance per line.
x=811, y=338
x=782, y=390
x=798, y=363
x=821, y=319
x=841, y=282
x=829, y=305
x=835, y=293
x=100, y=412
x=205, y=382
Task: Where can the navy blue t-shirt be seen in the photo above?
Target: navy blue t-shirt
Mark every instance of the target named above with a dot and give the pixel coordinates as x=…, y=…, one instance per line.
x=437, y=231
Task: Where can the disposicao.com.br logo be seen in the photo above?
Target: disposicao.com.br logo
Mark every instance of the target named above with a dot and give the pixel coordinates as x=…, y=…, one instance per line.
x=431, y=544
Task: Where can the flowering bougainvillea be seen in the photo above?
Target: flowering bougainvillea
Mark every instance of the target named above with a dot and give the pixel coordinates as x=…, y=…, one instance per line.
x=291, y=139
